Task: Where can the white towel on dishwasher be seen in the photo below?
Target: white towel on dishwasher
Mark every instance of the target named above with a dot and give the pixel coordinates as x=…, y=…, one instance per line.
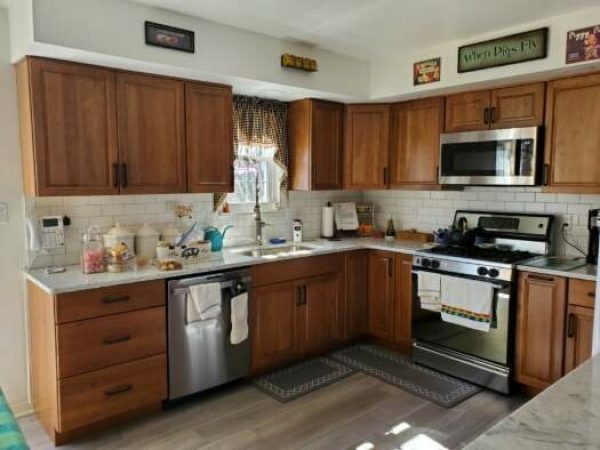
x=203, y=302
x=239, y=318
x=428, y=290
x=467, y=303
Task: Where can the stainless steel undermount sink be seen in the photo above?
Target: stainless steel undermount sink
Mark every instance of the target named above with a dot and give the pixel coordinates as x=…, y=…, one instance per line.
x=276, y=252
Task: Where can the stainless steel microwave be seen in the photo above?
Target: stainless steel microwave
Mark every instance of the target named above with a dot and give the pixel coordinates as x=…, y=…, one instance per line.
x=506, y=157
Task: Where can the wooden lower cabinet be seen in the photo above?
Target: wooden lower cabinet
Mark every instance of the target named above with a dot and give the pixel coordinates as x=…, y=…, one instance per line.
x=356, y=305
x=381, y=294
x=403, y=299
x=99, y=370
x=541, y=309
x=318, y=313
x=274, y=311
x=580, y=328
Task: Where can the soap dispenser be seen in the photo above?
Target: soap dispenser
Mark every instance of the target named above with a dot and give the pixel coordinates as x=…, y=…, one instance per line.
x=297, y=231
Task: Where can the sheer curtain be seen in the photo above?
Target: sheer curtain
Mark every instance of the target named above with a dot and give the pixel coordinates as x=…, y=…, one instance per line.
x=259, y=126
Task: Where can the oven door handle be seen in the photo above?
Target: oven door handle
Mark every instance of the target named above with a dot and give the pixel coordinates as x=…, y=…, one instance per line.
x=494, y=285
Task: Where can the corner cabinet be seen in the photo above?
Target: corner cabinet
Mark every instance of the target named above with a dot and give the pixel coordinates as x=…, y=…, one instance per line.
x=541, y=309
x=511, y=107
x=88, y=130
x=150, y=113
x=415, y=143
x=572, y=144
x=315, y=134
x=366, y=147
x=68, y=128
x=209, y=137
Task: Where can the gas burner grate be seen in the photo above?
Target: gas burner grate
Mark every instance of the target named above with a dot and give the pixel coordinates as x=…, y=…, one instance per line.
x=487, y=254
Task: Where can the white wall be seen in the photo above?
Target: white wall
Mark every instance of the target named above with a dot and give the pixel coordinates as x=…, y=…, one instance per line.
x=392, y=76
x=13, y=371
x=111, y=32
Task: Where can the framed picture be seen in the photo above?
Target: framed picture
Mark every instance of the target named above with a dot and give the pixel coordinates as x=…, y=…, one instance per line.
x=169, y=37
x=583, y=44
x=427, y=71
x=513, y=49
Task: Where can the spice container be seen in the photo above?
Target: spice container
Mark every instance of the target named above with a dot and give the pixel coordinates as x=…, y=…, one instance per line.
x=92, y=252
x=118, y=235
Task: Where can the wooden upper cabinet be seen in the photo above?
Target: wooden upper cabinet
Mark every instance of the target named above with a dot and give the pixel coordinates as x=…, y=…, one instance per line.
x=541, y=309
x=381, y=294
x=511, y=107
x=315, y=140
x=415, y=142
x=572, y=145
x=68, y=128
x=366, y=152
x=209, y=137
x=151, y=134
x=466, y=111
x=519, y=106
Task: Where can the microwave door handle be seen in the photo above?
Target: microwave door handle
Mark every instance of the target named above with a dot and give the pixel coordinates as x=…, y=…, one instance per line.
x=517, y=168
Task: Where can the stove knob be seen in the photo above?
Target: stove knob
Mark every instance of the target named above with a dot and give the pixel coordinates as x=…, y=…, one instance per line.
x=435, y=264
x=494, y=273
x=425, y=262
x=482, y=271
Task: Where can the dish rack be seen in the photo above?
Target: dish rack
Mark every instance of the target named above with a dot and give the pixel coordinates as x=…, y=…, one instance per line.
x=366, y=221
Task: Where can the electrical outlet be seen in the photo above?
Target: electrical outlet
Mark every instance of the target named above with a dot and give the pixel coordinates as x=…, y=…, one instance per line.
x=3, y=213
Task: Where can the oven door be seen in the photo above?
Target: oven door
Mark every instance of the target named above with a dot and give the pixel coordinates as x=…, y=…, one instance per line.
x=493, y=346
x=493, y=157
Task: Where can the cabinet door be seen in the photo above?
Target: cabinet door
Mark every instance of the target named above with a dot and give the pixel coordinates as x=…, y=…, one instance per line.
x=403, y=299
x=580, y=328
x=74, y=148
x=519, y=106
x=150, y=113
x=573, y=135
x=415, y=142
x=326, y=145
x=356, y=293
x=366, y=146
x=541, y=308
x=273, y=324
x=209, y=138
x=381, y=294
x=318, y=313
x=467, y=111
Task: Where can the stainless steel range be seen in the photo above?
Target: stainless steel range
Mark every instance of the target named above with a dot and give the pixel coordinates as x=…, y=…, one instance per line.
x=493, y=244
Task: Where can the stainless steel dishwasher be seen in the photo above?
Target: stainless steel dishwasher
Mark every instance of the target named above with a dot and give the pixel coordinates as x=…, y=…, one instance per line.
x=200, y=353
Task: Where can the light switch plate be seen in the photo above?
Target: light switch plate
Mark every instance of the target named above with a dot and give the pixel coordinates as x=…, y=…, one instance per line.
x=3, y=213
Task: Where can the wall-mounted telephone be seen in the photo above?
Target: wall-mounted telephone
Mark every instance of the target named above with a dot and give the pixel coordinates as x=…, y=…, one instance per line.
x=45, y=233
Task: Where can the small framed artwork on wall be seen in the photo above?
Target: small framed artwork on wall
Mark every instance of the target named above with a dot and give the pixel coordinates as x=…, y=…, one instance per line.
x=427, y=71
x=169, y=37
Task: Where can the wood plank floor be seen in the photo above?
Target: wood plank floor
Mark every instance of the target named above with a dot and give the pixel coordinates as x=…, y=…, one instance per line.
x=359, y=409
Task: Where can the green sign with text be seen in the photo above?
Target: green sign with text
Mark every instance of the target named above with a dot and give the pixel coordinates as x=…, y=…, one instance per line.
x=511, y=49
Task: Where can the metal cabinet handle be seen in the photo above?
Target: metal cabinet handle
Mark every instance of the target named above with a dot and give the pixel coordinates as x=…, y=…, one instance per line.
x=299, y=296
x=591, y=294
x=118, y=390
x=546, y=175
x=385, y=175
x=390, y=268
x=116, y=181
x=304, y=295
x=117, y=339
x=571, y=325
x=540, y=278
x=115, y=298
x=124, y=179
x=486, y=116
x=493, y=114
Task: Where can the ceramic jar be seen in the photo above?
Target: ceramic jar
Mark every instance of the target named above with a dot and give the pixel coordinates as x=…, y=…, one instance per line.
x=118, y=235
x=146, y=239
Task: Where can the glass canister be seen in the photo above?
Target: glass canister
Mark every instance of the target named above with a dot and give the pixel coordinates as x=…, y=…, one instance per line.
x=92, y=252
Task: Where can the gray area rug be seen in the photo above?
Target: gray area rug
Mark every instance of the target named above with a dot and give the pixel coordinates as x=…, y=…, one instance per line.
x=401, y=372
x=299, y=379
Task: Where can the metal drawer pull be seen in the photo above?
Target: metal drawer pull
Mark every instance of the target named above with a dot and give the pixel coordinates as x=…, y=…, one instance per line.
x=591, y=294
x=115, y=298
x=571, y=325
x=540, y=278
x=117, y=340
x=118, y=390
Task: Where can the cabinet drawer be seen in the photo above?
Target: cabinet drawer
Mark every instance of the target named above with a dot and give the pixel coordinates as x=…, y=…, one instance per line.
x=106, y=341
x=111, y=300
x=582, y=293
x=295, y=269
x=99, y=395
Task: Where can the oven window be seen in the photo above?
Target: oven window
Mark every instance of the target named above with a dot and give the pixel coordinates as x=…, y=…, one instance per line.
x=491, y=158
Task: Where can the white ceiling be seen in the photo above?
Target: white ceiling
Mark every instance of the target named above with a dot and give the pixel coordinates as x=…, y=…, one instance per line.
x=367, y=28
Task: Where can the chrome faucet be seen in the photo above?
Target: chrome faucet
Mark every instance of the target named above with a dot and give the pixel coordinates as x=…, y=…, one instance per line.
x=257, y=216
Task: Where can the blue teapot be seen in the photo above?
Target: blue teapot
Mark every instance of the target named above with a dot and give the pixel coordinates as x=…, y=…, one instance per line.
x=215, y=237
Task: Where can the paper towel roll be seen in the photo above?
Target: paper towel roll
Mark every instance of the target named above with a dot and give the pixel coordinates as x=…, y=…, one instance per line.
x=327, y=222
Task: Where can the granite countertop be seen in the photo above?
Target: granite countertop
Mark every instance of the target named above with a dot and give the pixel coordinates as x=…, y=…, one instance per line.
x=566, y=415
x=74, y=280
